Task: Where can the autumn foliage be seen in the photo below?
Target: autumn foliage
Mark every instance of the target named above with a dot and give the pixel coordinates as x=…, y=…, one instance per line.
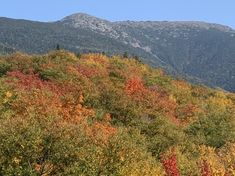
x=99, y=115
x=170, y=165
x=205, y=169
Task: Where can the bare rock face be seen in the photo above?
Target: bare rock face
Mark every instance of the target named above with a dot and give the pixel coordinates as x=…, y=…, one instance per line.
x=87, y=21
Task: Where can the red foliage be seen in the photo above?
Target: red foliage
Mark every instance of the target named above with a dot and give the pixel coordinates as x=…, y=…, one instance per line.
x=31, y=81
x=187, y=112
x=170, y=165
x=162, y=103
x=205, y=169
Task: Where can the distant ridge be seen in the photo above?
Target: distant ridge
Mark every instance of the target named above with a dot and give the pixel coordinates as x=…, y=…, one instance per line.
x=199, y=51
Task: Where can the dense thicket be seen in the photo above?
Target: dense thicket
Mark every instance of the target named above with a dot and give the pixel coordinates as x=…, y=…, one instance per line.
x=94, y=115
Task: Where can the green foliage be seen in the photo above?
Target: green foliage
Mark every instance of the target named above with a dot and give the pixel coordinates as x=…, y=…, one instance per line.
x=50, y=74
x=162, y=135
x=213, y=130
x=4, y=67
x=94, y=115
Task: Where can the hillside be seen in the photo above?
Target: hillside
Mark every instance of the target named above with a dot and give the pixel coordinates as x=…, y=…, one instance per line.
x=200, y=52
x=98, y=115
x=5, y=49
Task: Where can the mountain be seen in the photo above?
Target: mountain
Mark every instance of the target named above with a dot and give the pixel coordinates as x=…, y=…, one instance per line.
x=201, y=52
x=5, y=49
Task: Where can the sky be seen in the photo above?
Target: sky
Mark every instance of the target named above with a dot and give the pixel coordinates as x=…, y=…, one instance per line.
x=215, y=11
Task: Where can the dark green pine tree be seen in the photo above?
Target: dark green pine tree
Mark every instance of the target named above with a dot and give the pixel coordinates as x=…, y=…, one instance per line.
x=125, y=55
x=57, y=47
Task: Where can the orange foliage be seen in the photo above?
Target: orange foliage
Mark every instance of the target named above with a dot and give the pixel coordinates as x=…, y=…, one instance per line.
x=187, y=112
x=74, y=112
x=28, y=96
x=150, y=98
x=101, y=132
x=88, y=71
x=134, y=86
x=47, y=99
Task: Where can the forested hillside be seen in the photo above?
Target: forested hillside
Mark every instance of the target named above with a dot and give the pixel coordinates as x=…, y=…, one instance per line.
x=93, y=115
x=5, y=49
x=198, y=51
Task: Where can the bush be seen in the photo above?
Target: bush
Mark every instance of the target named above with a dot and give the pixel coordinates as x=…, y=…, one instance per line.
x=4, y=67
x=213, y=130
x=162, y=135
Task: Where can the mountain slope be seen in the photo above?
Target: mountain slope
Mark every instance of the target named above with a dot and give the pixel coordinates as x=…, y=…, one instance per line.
x=96, y=115
x=202, y=52
x=5, y=49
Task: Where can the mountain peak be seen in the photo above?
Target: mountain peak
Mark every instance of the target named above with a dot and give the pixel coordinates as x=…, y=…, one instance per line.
x=80, y=16
x=83, y=17
x=84, y=20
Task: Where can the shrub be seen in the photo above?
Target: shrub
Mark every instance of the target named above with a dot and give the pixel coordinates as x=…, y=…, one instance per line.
x=213, y=130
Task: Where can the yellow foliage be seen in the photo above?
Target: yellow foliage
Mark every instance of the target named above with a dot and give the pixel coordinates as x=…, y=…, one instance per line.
x=214, y=161
x=182, y=85
x=142, y=168
x=221, y=101
x=172, y=98
x=97, y=60
x=227, y=155
x=16, y=160
x=8, y=94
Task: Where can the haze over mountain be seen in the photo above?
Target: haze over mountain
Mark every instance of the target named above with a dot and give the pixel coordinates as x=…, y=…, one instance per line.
x=203, y=52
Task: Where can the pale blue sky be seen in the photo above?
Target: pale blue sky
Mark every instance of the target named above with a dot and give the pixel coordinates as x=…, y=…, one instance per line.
x=217, y=11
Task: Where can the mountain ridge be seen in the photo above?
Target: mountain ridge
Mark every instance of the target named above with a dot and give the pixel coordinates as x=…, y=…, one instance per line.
x=203, y=24
x=204, y=51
